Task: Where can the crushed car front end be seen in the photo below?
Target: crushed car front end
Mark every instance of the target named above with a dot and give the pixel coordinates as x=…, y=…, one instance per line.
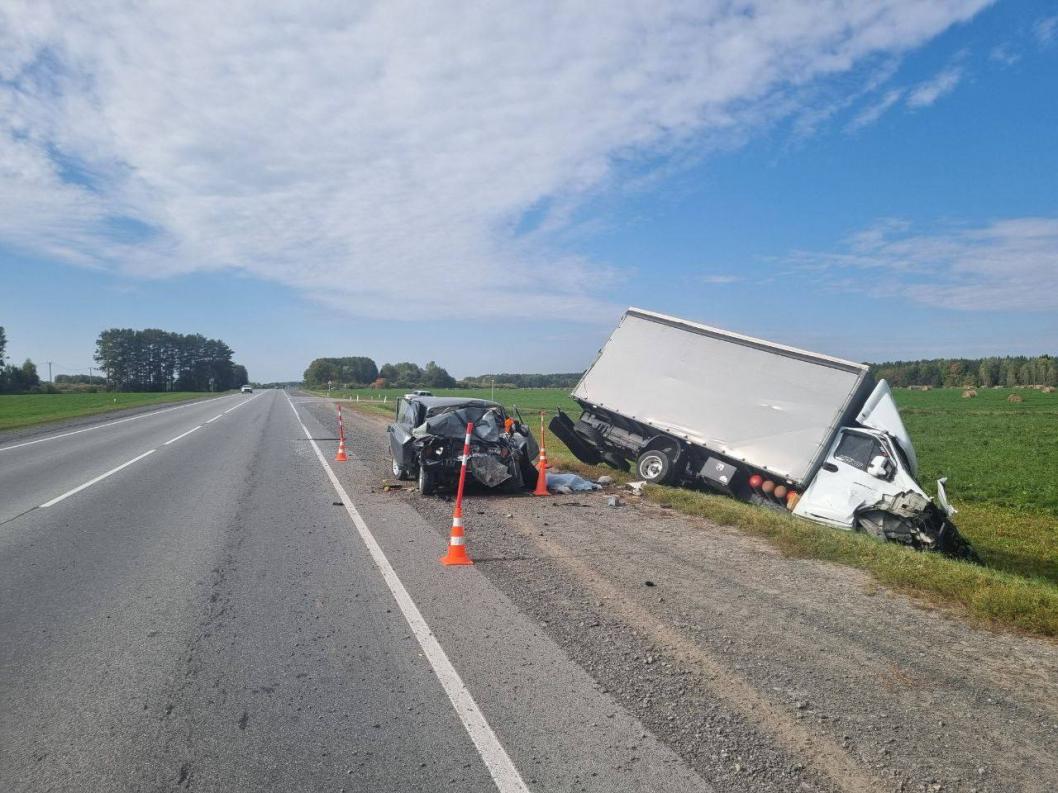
x=498, y=458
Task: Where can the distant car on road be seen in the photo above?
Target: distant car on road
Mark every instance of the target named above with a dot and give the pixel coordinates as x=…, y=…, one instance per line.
x=418, y=393
x=247, y=389
x=427, y=438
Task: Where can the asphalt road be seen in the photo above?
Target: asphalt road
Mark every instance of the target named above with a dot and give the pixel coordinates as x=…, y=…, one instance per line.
x=189, y=601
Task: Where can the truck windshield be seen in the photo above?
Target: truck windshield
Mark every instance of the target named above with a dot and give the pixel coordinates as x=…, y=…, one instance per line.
x=858, y=450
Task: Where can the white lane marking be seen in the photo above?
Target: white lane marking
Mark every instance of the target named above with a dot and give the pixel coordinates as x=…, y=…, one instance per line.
x=251, y=399
x=503, y=771
x=182, y=435
x=99, y=478
x=198, y=402
x=218, y=416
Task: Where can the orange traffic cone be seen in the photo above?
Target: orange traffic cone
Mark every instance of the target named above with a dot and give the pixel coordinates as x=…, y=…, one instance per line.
x=457, y=548
x=541, y=464
x=341, y=456
x=541, y=474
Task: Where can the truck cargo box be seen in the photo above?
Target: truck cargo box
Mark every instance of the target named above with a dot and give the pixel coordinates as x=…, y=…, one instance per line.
x=773, y=407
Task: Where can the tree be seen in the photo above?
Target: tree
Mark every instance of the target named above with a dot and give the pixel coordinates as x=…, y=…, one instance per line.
x=158, y=360
x=434, y=376
x=403, y=375
x=3, y=345
x=351, y=371
x=24, y=377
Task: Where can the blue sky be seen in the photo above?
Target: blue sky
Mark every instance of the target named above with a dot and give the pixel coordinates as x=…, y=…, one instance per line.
x=872, y=180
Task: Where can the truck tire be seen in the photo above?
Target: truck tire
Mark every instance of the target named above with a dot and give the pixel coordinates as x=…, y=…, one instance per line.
x=654, y=466
x=427, y=481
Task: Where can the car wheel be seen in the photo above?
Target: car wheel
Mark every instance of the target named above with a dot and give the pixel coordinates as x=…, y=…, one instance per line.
x=427, y=484
x=654, y=466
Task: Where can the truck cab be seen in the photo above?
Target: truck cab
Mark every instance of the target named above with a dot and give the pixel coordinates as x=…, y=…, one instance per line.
x=867, y=481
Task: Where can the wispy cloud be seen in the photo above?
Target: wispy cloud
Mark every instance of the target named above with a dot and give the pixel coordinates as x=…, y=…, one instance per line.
x=1009, y=264
x=1046, y=30
x=927, y=93
x=720, y=280
x=872, y=113
x=1004, y=54
x=367, y=153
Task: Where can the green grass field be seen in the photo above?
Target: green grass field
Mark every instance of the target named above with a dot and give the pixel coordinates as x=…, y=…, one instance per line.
x=24, y=410
x=1001, y=460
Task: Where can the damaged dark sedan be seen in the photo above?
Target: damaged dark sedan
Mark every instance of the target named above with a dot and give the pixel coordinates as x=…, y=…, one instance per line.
x=427, y=436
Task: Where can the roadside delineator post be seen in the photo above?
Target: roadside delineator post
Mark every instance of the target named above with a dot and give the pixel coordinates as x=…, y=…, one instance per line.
x=457, y=548
x=541, y=464
x=341, y=457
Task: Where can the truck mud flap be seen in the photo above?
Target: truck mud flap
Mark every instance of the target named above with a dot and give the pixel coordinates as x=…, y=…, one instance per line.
x=562, y=426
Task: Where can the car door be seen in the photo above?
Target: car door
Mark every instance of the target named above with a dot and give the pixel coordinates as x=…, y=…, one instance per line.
x=401, y=441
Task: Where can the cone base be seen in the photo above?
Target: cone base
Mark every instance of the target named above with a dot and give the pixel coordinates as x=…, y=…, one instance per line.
x=341, y=458
x=456, y=558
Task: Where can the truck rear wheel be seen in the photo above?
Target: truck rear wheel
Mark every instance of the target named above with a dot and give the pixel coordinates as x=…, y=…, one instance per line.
x=654, y=466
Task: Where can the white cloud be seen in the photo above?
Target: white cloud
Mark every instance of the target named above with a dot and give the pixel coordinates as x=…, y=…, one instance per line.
x=933, y=89
x=1046, y=30
x=875, y=111
x=1008, y=264
x=720, y=280
x=1004, y=54
x=368, y=152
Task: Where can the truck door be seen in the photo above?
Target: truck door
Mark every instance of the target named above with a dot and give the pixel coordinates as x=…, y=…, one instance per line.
x=857, y=472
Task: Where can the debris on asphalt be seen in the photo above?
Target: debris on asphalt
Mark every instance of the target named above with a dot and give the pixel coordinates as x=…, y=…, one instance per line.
x=604, y=480
x=649, y=583
x=614, y=501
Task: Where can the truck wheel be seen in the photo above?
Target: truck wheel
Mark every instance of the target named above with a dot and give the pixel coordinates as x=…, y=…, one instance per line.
x=654, y=466
x=427, y=482
x=398, y=471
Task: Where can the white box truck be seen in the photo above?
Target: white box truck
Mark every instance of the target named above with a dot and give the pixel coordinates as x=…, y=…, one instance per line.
x=777, y=426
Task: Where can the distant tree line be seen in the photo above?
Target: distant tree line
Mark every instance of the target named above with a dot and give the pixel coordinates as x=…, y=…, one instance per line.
x=16, y=379
x=410, y=375
x=159, y=360
x=355, y=372
x=566, y=380
x=1008, y=371
x=79, y=379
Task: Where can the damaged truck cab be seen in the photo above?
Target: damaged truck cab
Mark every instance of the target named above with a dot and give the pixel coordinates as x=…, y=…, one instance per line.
x=867, y=482
x=762, y=422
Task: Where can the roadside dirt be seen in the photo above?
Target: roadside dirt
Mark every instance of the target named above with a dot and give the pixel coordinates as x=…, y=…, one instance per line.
x=762, y=672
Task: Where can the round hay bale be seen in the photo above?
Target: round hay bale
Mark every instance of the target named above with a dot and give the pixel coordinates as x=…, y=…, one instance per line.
x=1015, y=398
x=1049, y=389
x=969, y=393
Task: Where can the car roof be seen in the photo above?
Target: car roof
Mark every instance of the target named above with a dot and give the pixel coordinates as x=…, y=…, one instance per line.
x=431, y=402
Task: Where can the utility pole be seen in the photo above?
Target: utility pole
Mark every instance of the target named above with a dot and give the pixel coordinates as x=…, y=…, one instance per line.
x=49, y=371
x=493, y=389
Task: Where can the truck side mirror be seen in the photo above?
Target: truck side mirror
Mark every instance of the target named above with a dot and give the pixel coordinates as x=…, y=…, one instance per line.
x=880, y=467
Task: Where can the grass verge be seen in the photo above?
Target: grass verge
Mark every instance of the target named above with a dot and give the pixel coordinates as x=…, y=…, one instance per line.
x=26, y=410
x=993, y=596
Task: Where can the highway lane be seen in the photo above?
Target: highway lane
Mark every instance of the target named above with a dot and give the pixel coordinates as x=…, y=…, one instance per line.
x=209, y=619
x=36, y=469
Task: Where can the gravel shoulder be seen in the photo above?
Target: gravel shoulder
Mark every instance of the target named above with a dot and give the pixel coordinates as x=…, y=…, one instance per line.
x=761, y=672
